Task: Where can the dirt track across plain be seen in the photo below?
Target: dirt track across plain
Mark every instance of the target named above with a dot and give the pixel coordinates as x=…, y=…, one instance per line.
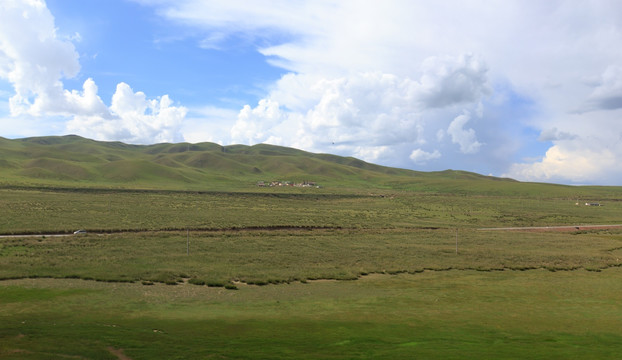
x=554, y=228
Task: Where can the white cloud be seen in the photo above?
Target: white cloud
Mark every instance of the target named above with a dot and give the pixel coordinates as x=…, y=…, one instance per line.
x=587, y=153
x=365, y=114
x=464, y=137
x=421, y=157
x=371, y=153
x=34, y=60
x=562, y=163
x=253, y=125
x=132, y=118
x=447, y=81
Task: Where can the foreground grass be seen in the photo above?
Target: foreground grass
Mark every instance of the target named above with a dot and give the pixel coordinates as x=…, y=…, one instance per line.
x=451, y=315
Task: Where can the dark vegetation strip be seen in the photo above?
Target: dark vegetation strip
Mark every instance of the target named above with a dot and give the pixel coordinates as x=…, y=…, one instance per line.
x=206, y=229
x=100, y=190
x=231, y=285
x=183, y=229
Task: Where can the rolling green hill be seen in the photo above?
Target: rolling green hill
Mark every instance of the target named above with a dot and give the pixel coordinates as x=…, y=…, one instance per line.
x=73, y=161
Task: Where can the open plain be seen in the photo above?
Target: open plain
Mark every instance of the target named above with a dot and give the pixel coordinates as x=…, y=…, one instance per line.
x=378, y=267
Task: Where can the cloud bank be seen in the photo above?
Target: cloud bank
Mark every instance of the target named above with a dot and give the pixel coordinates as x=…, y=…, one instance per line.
x=368, y=115
x=432, y=85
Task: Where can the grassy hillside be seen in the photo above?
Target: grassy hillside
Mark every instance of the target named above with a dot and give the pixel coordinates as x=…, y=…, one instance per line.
x=73, y=161
x=82, y=162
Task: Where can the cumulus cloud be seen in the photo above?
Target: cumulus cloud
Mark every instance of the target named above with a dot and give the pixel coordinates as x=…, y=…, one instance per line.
x=132, y=118
x=466, y=138
x=34, y=60
x=253, y=125
x=364, y=114
x=563, y=162
x=448, y=81
x=421, y=157
x=585, y=153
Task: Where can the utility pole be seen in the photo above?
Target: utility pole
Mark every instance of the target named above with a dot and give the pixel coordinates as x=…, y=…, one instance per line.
x=456, y=241
x=188, y=242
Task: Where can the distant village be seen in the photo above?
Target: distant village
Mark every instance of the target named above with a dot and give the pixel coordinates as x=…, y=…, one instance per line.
x=288, y=183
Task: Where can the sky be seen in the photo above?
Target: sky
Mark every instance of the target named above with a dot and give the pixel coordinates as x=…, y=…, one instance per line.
x=526, y=89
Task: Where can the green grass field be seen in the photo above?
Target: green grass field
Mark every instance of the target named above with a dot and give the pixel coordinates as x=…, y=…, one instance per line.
x=454, y=314
x=378, y=263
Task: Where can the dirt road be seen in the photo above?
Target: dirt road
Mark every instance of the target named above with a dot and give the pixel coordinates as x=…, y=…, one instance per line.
x=554, y=228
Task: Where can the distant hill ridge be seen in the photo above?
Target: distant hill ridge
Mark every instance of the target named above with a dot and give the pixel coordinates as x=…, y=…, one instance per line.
x=76, y=161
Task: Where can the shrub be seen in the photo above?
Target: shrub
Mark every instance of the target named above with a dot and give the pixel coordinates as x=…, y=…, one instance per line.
x=195, y=281
x=258, y=282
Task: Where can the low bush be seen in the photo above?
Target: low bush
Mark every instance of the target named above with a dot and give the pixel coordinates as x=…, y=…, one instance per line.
x=195, y=281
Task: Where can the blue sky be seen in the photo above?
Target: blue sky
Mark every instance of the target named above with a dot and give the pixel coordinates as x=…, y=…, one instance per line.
x=128, y=42
x=525, y=89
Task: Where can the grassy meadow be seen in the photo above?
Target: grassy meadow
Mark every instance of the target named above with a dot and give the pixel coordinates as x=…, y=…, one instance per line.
x=450, y=314
x=377, y=263
x=48, y=210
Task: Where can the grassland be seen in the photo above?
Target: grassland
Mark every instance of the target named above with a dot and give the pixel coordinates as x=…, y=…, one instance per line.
x=378, y=263
x=259, y=257
x=28, y=210
x=451, y=315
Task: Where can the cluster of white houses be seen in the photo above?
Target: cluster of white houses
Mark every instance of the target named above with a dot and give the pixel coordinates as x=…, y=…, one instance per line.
x=287, y=183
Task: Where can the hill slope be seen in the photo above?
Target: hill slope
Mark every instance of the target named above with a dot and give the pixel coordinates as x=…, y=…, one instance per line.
x=74, y=161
